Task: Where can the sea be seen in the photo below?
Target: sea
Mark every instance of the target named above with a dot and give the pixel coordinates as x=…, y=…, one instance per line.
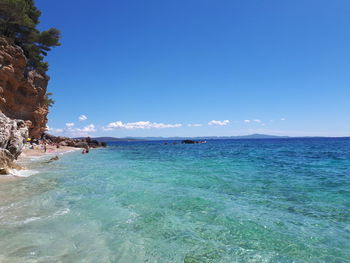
x=256, y=200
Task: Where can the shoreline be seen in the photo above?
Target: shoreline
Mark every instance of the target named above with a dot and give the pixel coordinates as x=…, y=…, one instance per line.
x=27, y=156
x=51, y=151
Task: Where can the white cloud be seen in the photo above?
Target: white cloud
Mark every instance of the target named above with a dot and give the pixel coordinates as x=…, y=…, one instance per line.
x=72, y=131
x=139, y=125
x=194, y=125
x=220, y=123
x=283, y=119
x=250, y=121
x=54, y=130
x=82, y=117
x=87, y=129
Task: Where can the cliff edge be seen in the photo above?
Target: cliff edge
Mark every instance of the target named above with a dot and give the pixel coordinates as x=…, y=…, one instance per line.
x=23, y=103
x=22, y=89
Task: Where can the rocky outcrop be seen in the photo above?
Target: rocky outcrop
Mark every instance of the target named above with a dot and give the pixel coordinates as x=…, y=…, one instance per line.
x=191, y=142
x=13, y=134
x=22, y=91
x=79, y=143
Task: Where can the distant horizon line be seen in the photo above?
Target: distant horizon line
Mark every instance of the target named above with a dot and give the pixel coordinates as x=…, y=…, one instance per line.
x=249, y=136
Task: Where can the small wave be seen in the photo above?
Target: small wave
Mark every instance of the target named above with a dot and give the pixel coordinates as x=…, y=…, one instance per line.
x=31, y=219
x=58, y=213
x=62, y=212
x=132, y=218
x=69, y=151
x=22, y=173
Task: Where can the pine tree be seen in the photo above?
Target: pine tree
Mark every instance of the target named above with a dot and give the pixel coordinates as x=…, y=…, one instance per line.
x=18, y=22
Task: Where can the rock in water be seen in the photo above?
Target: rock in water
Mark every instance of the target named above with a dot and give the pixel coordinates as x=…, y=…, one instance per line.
x=189, y=142
x=53, y=159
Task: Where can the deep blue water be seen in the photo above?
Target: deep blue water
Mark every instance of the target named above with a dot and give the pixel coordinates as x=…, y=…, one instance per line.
x=277, y=200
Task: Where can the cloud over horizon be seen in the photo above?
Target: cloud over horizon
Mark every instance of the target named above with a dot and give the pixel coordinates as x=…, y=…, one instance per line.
x=72, y=131
x=85, y=131
x=53, y=130
x=219, y=123
x=139, y=125
x=250, y=121
x=194, y=125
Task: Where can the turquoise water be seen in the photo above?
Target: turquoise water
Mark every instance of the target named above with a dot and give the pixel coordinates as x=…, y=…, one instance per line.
x=224, y=201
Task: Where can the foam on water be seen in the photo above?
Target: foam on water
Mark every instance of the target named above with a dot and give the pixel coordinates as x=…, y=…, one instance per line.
x=31, y=219
x=22, y=173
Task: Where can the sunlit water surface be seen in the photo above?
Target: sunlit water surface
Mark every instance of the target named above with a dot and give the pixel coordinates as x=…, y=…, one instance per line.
x=225, y=201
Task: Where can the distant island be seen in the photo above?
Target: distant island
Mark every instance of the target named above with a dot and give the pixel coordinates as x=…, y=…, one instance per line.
x=112, y=139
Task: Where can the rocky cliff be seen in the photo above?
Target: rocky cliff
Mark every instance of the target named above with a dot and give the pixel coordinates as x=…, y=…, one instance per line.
x=22, y=90
x=23, y=103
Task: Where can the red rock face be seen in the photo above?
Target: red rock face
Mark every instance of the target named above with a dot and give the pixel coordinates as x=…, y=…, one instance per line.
x=22, y=92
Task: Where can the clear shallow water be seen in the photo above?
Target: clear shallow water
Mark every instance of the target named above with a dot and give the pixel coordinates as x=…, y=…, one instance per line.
x=224, y=201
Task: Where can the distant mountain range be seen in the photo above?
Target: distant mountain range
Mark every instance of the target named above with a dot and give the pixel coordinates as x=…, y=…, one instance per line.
x=251, y=136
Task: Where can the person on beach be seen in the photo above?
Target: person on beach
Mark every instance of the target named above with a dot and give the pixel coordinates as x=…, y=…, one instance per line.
x=85, y=150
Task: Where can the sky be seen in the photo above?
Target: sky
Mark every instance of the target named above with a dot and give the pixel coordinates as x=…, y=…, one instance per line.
x=199, y=67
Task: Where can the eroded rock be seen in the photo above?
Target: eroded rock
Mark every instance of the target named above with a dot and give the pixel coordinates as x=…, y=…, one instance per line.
x=22, y=91
x=13, y=134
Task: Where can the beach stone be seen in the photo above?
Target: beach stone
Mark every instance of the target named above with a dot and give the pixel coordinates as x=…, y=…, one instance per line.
x=6, y=161
x=4, y=171
x=13, y=134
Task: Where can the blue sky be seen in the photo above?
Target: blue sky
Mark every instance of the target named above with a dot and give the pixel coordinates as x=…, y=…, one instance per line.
x=155, y=67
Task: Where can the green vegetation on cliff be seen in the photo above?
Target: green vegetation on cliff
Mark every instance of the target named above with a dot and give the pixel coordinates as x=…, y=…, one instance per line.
x=18, y=22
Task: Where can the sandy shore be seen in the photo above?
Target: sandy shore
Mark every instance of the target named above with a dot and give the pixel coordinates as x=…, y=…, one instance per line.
x=50, y=151
x=29, y=153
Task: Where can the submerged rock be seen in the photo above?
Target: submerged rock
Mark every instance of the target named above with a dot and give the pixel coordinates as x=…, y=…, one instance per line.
x=55, y=158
